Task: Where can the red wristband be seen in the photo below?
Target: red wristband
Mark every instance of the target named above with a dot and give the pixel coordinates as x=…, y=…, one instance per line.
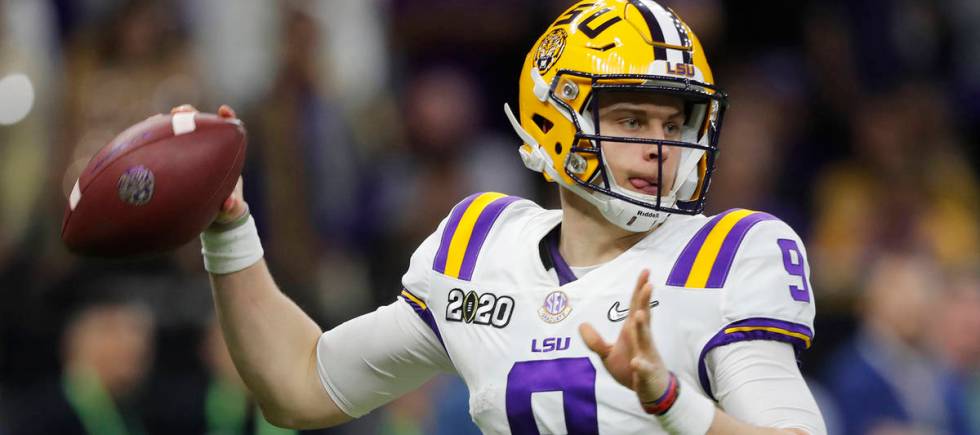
x=662, y=405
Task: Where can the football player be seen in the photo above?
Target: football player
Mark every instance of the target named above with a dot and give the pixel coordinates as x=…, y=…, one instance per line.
x=625, y=312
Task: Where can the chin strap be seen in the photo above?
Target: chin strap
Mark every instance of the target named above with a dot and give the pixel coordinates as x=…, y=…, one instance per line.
x=531, y=154
x=537, y=159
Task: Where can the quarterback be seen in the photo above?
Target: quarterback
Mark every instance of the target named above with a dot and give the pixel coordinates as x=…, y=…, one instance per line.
x=627, y=311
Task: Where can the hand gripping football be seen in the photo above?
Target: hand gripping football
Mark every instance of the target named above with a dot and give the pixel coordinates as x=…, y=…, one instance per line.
x=155, y=187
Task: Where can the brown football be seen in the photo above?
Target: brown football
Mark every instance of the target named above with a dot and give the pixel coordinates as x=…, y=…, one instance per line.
x=155, y=187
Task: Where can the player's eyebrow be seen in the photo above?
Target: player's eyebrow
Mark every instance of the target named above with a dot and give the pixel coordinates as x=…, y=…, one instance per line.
x=628, y=106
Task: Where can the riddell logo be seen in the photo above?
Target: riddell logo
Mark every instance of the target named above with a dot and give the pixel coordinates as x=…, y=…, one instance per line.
x=646, y=214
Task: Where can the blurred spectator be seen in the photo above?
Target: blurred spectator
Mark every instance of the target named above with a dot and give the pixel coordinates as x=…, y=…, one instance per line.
x=762, y=137
x=448, y=154
x=855, y=121
x=107, y=347
x=121, y=71
x=440, y=407
x=27, y=93
x=303, y=180
x=908, y=186
x=452, y=416
x=227, y=406
x=959, y=309
x=886, y=380
x=218, y=405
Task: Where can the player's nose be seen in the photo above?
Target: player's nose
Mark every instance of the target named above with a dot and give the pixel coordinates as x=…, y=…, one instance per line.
x=654, y=151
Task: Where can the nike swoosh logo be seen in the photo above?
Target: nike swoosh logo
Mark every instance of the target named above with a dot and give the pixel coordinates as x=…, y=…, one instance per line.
x=617, y=315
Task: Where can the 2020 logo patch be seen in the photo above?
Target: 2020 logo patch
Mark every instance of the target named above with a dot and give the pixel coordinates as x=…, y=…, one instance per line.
x=481, y=309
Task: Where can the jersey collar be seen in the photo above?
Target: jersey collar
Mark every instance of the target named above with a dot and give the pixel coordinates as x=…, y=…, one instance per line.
x=551, y=258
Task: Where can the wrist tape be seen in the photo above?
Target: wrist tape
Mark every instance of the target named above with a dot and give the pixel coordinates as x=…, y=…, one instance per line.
x=666, y=401
x=231, y=249
x=691, y=413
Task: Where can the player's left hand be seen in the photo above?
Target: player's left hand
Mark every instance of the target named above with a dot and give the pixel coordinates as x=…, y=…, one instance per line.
x=633, y=359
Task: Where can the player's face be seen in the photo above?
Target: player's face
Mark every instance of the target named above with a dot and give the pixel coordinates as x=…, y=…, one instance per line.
x=635, y=166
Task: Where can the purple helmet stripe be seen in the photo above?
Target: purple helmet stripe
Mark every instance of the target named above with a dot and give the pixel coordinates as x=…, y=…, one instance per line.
x=723, y=263
x=656, y=33
x=682, y=268
x=439, y=265
x=757, y=328
x=480, y=231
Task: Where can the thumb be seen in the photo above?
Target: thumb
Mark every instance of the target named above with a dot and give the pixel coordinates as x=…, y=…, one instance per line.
x=594, y=341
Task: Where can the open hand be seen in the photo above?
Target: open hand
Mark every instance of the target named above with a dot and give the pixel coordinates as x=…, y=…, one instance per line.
x=633, y=359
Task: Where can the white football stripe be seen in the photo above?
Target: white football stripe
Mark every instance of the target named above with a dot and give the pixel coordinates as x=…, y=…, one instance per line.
x=76, y=195
x=671, y=35
x=183, y=122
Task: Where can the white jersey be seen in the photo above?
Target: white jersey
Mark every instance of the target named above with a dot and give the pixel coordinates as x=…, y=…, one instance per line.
x=505, y=309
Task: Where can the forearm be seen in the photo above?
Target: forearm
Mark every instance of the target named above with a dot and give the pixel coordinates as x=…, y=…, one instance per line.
x=273, y=344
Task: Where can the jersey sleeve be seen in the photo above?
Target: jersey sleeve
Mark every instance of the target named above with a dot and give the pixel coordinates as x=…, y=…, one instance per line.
x=767, y=294
x=375, y=358
x=758, y=382
x=452, y=250
x=759, y=264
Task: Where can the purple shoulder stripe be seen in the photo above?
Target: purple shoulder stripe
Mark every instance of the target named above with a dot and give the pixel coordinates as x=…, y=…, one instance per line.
x=426, y=315
x=439, y=265
x=479, y=235
x=723, y=263
x=682, y=268
x=757, y=328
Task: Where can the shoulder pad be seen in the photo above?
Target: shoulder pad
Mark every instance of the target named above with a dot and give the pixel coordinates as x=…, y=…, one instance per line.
x=707, y=258
x=465, y=231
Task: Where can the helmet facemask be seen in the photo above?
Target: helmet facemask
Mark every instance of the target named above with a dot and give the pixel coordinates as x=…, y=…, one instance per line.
x=696, y=151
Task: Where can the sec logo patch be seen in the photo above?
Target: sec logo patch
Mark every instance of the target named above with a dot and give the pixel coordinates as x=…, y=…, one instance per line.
x=556, y=307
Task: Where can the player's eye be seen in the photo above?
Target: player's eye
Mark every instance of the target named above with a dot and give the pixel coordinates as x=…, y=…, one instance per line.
x=631, y=123
x=672, y=129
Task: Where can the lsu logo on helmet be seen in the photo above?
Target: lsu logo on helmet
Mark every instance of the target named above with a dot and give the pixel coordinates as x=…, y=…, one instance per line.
x=550, y=49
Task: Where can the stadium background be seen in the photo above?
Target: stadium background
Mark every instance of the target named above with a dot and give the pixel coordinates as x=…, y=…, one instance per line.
x=854, y=121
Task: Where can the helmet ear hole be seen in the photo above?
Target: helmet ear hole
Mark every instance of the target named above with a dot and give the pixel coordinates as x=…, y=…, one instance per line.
x=558, y=148
x=544, y=124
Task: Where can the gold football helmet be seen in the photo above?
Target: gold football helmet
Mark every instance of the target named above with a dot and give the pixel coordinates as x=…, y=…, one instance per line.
x=617, y=46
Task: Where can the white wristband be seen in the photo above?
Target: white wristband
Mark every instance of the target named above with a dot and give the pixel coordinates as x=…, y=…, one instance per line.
x=691, y=414
x=231, y=250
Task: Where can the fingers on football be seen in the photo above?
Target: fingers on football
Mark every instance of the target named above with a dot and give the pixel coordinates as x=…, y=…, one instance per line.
x=229, y=204
x=225, y=111
x=594, y=341
x=183, y=108
x=239, y=188
x=234, y=206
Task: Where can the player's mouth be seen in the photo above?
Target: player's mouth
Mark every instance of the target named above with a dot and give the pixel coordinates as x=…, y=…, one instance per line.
x=648, y=186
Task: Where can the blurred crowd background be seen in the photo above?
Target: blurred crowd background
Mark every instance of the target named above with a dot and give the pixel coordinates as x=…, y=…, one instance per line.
x=856, y=121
